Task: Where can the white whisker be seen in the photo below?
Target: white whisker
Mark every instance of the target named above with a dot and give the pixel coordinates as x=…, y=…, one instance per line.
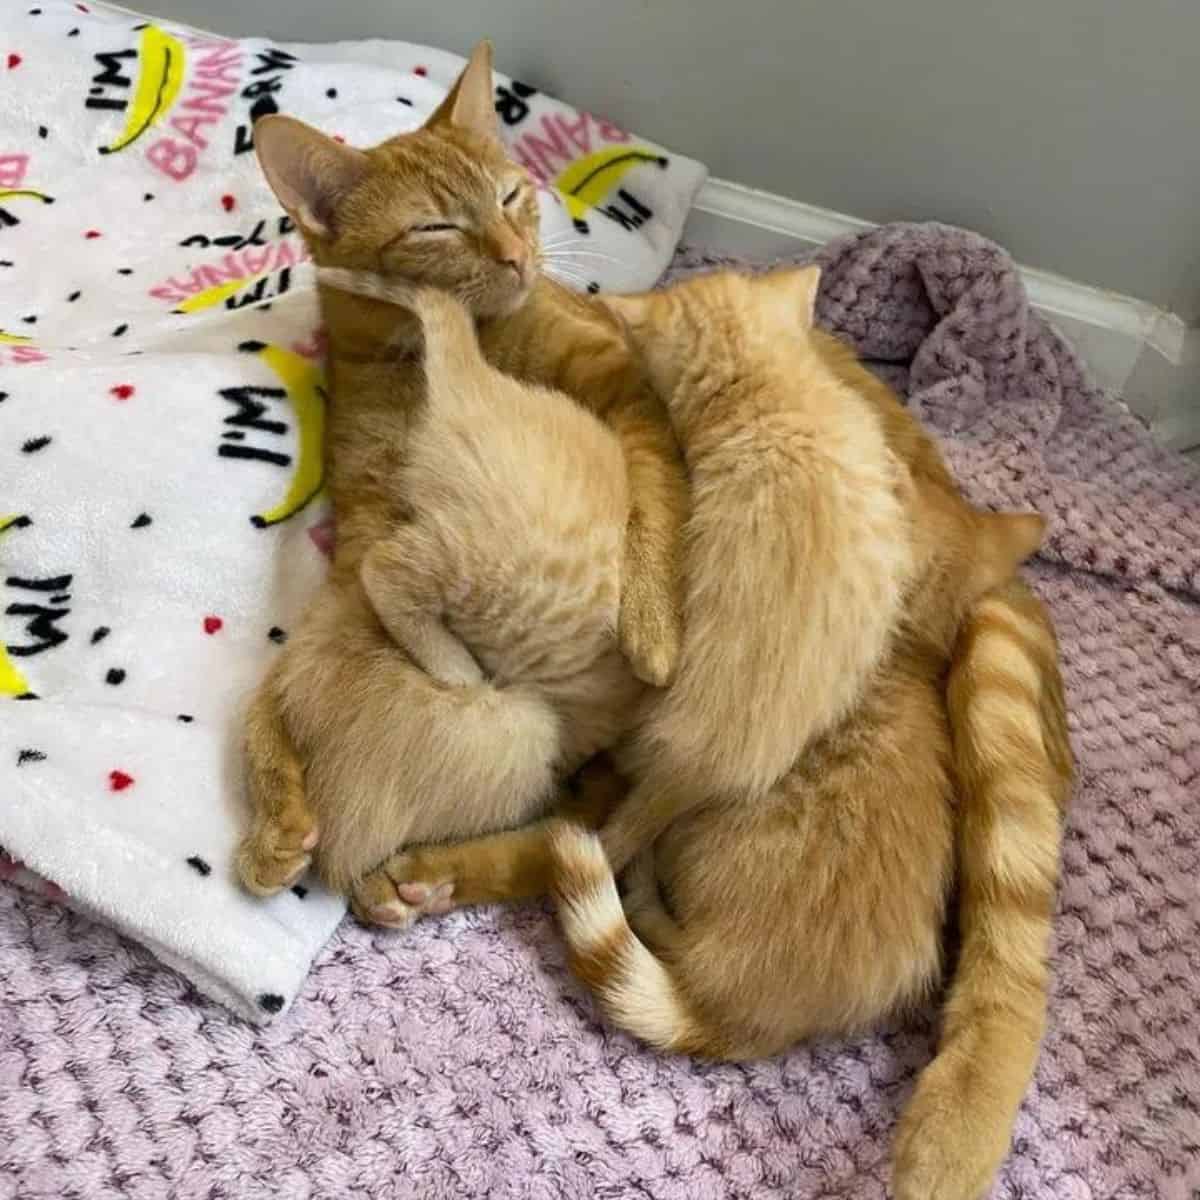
x=571, y=278
x=556, y=253
x=560, y=272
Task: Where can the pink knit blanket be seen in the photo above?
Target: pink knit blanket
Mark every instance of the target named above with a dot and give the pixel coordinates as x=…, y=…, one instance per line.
x=461, y=1060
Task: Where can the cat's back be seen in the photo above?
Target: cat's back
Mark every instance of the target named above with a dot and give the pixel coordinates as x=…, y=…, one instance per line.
x=782, y=413
x=495, y=448
x=527, y=494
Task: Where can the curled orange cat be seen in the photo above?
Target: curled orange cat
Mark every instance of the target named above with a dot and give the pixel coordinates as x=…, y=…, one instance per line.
x=351, y=750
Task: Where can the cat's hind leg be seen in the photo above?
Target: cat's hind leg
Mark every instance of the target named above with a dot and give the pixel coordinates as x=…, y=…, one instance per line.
x=648, y=916
x=283, y=831
x=501, y=867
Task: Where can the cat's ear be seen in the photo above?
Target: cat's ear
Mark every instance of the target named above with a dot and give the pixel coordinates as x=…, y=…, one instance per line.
x=470, y=103
x=308, y=171
x=795, y=288
x=1003, y=542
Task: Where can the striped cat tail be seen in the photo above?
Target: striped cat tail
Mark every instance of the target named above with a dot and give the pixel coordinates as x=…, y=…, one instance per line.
x=1014, y=768
x=636, y=990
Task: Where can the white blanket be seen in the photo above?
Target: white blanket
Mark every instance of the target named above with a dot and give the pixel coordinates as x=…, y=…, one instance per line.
x=161, y=522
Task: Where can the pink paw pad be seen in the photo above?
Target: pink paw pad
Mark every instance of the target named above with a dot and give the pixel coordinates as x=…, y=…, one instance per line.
x=413, y=893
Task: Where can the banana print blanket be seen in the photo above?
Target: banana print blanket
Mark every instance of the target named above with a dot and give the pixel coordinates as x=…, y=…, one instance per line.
x=161, y=415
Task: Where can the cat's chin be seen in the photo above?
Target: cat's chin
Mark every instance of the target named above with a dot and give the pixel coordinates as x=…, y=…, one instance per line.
x=506, y=305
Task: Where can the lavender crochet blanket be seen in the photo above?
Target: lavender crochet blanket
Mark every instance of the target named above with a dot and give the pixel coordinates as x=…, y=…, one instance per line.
x=461, y=1060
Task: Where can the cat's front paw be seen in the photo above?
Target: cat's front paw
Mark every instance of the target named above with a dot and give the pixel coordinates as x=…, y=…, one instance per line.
x=650, y=631
x=399, y=891
x=951, y=1139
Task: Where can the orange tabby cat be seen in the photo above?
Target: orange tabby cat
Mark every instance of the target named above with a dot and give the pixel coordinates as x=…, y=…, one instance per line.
x=441, y=206
x=503, y=592
x=814, y=903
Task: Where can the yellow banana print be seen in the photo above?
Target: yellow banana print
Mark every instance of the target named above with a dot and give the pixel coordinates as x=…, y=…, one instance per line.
x=304, y=383
x=215, y=295
x=161, y=60
x=210, y=297
x=12, y=339
x=588, y=180
x=24, y=193
x=12, y=682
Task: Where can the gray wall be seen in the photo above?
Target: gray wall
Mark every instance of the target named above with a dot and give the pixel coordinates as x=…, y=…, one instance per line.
x=1067, y=129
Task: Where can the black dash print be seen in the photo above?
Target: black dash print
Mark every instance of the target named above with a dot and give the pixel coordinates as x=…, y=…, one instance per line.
x=115, y=676
x=21, y=522
x=29, y=696
x=405, y=100
x=3, y=397
x=148, y=196
x=331, y=93
x=35, y=12
x=593, y=288
x=141, y=521
x=124, y=270
x=100, y=633
x=54, y=583
x=252, y=347
x=35, y=444
x=120, y=329
x=199, y=865
x=28, y=756
x=234, y=435
x=60, y=600
x=43, y=132
x=186, y=718
x=271, y=1002
x=73, y=32
x=277, y=635
x=6, y=262
x=298, y=890
x=73, y=297
x=30, y=320
x=271, y=456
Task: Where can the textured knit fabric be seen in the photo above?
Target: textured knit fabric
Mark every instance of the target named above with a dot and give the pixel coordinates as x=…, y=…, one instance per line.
x=161, y=518
x=461, y=1060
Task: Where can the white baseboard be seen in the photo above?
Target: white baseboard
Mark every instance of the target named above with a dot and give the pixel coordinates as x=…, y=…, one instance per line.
x=1114, y=333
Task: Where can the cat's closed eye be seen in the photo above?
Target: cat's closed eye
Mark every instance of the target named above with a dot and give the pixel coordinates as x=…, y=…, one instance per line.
x=511, y=196
x=435, y=227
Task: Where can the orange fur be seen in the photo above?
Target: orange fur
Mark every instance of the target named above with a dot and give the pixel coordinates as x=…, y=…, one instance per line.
x=792, y=903
x=754, y=919
x=334, y=752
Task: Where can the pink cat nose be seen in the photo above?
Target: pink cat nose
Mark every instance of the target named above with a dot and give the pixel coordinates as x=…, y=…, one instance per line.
x=518, y=260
